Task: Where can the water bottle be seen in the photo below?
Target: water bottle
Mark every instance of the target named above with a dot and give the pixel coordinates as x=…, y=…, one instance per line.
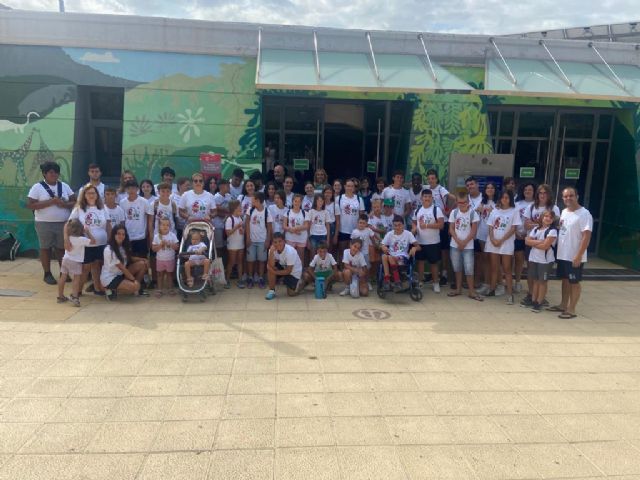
x=320, y=288
x=354, y=288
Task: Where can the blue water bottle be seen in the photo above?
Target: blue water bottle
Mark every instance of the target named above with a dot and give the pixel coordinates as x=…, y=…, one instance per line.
x=320, y=287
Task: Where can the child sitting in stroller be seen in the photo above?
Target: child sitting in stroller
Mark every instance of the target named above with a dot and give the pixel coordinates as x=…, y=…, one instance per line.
x=397, y=246
x=196, y=256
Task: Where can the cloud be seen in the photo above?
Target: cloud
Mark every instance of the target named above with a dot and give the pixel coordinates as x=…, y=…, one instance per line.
x=453, y=16
x=106, y=57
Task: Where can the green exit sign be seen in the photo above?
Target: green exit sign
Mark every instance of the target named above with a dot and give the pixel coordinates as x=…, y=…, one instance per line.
x=527, y=172
x=372, y=167
x=301, y=164
x=572, y=173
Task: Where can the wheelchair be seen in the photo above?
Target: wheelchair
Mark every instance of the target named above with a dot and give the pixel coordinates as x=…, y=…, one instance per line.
x=408, y=280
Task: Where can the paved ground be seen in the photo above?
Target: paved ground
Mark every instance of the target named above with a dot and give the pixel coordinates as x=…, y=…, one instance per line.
x=239, y=387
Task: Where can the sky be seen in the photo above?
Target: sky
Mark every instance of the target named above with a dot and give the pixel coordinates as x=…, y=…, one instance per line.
x=451, y=16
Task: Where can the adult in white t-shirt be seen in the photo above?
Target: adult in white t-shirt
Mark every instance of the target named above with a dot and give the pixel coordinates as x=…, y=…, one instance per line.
x=574, y=235
x=95, y=174
x=283, y=261
x=348, y=207
x=51, y=202
x=400, y=195
x=197, y=204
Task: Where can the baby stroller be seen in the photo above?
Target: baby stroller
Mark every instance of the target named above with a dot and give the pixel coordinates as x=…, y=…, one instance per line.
x=407, y=276
x=200, y=287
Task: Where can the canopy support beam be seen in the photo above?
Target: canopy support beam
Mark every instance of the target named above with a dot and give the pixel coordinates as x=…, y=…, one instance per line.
x=617, y=79
x=566, y=79
x=373, y=55
x=315, y=48
x=259, y=55
x=513, y=78
x=426, y=53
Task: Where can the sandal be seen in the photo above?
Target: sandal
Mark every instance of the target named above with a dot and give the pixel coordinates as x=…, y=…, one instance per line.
x=158, y=294
x=62, y=299
x=555, y=308
x=190, y=282
x=205, y=277
x=453, y=294
x=477, y=298
x=567, y=315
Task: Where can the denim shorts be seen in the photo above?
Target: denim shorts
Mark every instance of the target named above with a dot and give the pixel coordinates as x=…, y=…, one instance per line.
x=256, y=251
x=316, y=240
x=462, y=259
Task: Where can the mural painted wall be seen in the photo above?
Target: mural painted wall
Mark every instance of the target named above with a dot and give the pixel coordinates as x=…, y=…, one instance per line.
x=176, y=106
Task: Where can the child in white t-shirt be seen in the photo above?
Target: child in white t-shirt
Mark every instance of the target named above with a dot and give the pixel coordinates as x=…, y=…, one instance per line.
x=165, y=245
x=397, y=246
x=541, y=258
x=296, y=227
x=322, y=265
x=354, y=273
x=257, y=240
x=234, y=231
x=368, y=237
x=112, y=209
x=196, y=251
x=75, y=242
x=318, y=224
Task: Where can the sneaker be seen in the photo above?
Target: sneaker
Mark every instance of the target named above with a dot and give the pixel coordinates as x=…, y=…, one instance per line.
x=111, y=295
x=483, y=290
x=75, y=301
x=62, y=299
x=510, y=300
x=386, y=286
x=518, y=287
x=143, y=293
x=261, y=283
x=227, y=285
x=48, y=279
x=491, y=293
x=527, y=301
x=249, y=282
x=443, y=281
x=500, y=290
x=99, y=293
x=397, y=286
x=536, y=308
x=369, y=286
x=420, y=285
x=344, y=292
x=271, y=294
x=90, y=288
x=241, y=284
x=545, y=303
x=436, y=288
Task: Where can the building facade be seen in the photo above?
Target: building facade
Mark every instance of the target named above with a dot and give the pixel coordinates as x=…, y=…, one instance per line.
x=138, y=94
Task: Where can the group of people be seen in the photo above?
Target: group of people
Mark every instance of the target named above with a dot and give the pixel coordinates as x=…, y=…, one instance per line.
x=281, y=231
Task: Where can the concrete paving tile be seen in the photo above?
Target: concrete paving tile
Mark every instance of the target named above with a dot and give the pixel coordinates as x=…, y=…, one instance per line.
x=42, y=467
x=255, y=366
x=165, y=366
x=245, y=433
x=155, y=386
x=473, y=429
x=624, y=426
x=584, y=402
x=302, y=405
x=347, y=364
x=298, y=365
x=51, y=387
x=118, y=367
x=87, y=351
x=353, y=404
x=204, y=385
x=194, y=435
x=361, y=431
x=85, y=410
x=419, y=430
x=241, y=465
x=370, y=463
x=250, y=406
x=30, y=409
x=299, y=383
x=559, y=460
x=613, y=458
x=499, y=462
x=175, y=466
x=132, y=351
x=319, y=463
x=392, y=382
x=129, y=437
x=346, y=382
x=210, y=366
x=12, y=386
x=14, y=435
x=64, y=367
x=61, y=438
x=110, y=466
x=196, y=408
x=304, y=432
x=103, y=387
x=247, y=384
x=583, y=427
x=503, y=403
x=24, y=368
x=435, y=462
x=455, y=403
x=404, y=403
x=42, y=352
x=528, y=429
x=140, y=409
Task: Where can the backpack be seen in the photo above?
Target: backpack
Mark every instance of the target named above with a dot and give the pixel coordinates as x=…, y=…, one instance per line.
x=546, y=234
x=304, y=216
x=49, y=191
x=174, y=211
x=471, y=217
x=435, y=212
x=265, y=214
x=224, y=229
x=9, y=246
x=340, y=199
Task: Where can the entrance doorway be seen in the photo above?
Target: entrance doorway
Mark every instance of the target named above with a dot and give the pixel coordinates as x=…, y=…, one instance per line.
x=345, y=137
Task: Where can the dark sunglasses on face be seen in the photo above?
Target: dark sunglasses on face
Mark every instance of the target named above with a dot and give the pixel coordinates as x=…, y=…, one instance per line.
x=197, y=181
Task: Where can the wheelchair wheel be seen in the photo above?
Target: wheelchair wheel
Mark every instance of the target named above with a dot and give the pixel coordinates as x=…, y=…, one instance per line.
x=415, y=294
x=203, y=296
x=380, y=291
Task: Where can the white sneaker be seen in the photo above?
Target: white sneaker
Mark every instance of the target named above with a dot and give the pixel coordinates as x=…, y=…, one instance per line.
x=500, y=290
x=518, y=287
x=510, y=300
x=436, y=287
x=420, y=285
x=345, y=292
x=370, y=286
x=483, y=290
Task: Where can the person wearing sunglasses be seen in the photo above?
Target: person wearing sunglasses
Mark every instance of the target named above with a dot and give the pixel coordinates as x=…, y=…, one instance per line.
x=197, y=204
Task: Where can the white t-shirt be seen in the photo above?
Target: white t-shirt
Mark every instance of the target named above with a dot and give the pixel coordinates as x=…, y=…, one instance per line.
x=399, y=245
x=533, y=213
x=276, y=217
x=99, y=187
x=463, y=222
x=538, y=255
x=220, y=201
x=522, y=206
x=307, y=203
x=151, y=199
x=323, y=264
x=163, y=211
x=258, y=220
x=246, y=203
x=235, y=241
x=197, y=205
x=197, y=251
x=331, y=212
x=400, y=197
x=296, y=220
x=366, y=236
x=501, y=221
x=416, y=198
x=349, y=210
x=289, y=201
x=52, y=213
x=485, y=211
x=318, y=220
x=121, y=196
x=356, y=261
x=235, y=192
x=109, y=268
x=77, y=249
x=116, y=215
x=474, y=202
x=94, y=218
x=427, y=236
x=289, y=257
x=135, y=217
x=570, y=229
x=376, y=196
x=439, y=196
x=165, y=254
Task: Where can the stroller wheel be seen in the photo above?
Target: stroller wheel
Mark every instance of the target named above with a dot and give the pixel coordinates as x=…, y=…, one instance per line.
x=184, y=298
x=415, y=294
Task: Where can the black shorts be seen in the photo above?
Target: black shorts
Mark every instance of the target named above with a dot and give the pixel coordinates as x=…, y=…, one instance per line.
x=344, y=237
x=116, y=282
x=93, y=253
x=140, y=248
x=567, y=270
x=289, y=281
x=518, y=245
x=445, y=238
x=430, y=253
x=477, y=248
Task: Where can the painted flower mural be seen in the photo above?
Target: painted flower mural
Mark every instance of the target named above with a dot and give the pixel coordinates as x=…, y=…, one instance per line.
x=190, y=123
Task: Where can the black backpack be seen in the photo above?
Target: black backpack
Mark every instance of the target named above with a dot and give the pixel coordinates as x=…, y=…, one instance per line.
x=435, y=212
x=546, y=234
x=9, y=246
